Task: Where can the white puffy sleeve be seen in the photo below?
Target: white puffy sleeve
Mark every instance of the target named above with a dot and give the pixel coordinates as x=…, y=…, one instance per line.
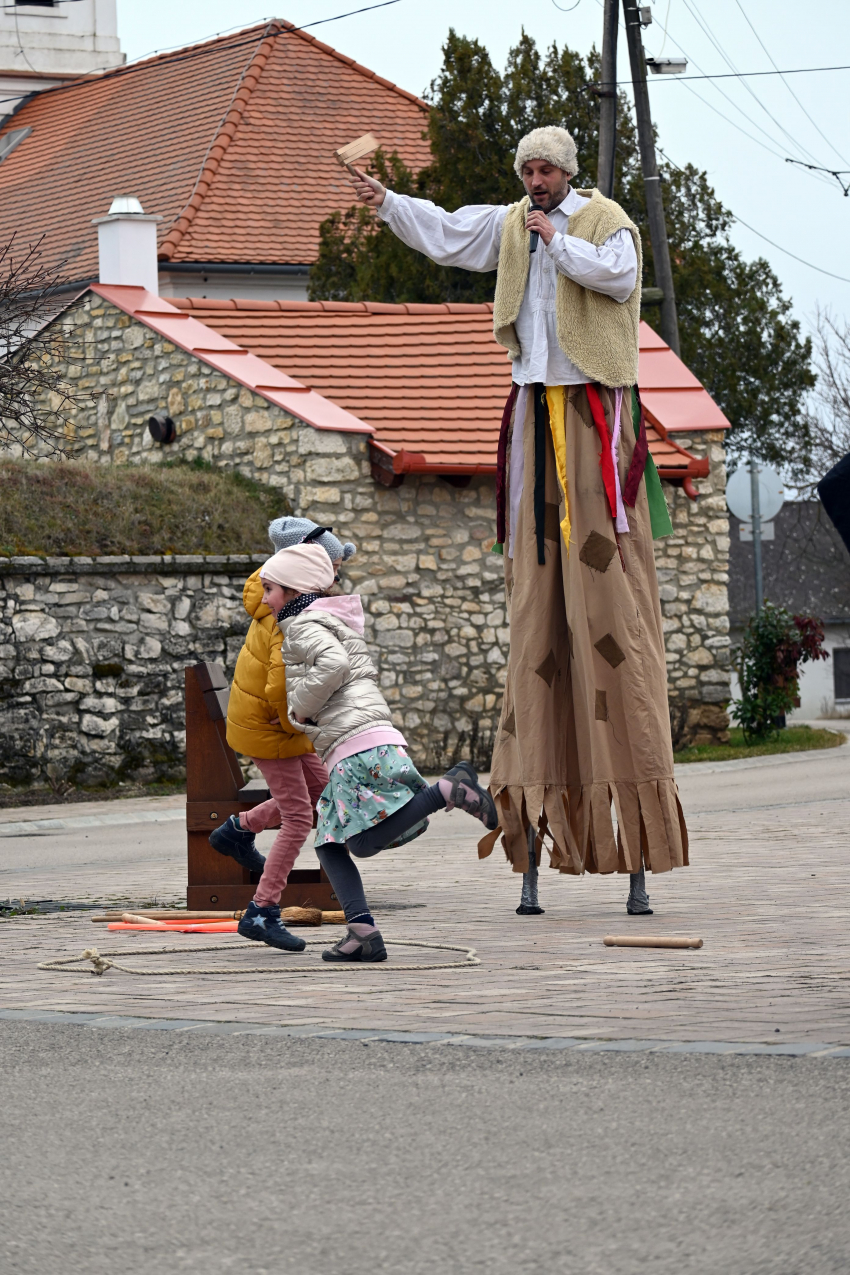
x=468, y=238
x=610, y=268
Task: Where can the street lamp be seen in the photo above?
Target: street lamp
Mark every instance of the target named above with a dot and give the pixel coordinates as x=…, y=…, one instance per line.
x=667, y=66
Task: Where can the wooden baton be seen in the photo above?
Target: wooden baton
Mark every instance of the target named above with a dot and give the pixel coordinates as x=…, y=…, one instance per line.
x=645, y=940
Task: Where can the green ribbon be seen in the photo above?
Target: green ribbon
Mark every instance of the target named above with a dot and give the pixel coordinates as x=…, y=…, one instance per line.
x=659, y=514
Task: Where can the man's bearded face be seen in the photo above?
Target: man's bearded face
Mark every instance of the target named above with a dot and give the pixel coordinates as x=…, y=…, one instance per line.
x=546, y=184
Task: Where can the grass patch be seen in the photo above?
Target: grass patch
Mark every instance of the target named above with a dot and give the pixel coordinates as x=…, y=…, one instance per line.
x=72, y=508
x=794, y=739
x=42, y=795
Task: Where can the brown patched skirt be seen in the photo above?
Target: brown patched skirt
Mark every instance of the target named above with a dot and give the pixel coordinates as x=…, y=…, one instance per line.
x=585, y=723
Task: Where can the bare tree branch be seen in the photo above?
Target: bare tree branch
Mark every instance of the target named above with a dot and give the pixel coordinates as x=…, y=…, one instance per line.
x=829, y=415
x=36, y=398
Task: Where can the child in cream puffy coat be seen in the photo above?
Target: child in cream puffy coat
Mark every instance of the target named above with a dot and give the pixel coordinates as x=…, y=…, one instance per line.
x=375, y=796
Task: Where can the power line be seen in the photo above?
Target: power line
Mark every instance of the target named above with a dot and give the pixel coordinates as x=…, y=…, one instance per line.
x=697, y=16
x=772, y=242
x=812, y=121
x=732, y=103
x=739, y=75
x=833, y=172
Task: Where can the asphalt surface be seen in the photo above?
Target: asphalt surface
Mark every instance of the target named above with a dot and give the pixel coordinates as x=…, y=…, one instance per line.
x=145, y=1152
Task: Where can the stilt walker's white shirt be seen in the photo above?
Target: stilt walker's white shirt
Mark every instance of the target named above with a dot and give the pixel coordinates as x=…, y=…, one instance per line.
x=470, y=238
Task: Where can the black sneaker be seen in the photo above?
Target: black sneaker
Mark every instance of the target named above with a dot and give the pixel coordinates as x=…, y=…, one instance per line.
x=237, y=843
x=263, y=925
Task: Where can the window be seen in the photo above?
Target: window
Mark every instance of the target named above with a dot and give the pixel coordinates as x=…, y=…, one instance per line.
x=9, y=141
x=841, y=672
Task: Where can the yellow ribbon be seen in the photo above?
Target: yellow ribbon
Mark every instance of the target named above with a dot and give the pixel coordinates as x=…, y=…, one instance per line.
x=557, y=424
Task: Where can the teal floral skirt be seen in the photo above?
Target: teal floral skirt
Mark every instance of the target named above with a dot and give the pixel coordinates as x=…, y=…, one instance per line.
x=364, y=789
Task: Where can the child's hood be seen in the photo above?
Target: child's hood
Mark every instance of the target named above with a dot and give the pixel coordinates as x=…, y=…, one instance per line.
x=252, y=597
x=347, y=608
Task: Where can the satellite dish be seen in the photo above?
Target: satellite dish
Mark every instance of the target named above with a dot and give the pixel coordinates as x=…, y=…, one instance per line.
x=739, y=493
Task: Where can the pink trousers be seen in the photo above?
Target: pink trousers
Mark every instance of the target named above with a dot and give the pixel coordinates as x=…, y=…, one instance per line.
x=295, y=784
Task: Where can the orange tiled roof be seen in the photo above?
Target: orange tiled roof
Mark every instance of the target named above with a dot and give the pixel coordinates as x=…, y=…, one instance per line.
x=431, y=379
x=231, y=141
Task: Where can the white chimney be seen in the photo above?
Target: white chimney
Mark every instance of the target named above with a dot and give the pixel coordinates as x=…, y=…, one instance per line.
x=127, y=243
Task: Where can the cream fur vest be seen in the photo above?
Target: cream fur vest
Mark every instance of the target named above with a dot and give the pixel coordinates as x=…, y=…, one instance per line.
x=598, y=334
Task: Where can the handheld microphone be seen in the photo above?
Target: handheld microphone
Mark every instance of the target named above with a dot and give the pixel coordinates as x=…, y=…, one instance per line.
x=532, y=246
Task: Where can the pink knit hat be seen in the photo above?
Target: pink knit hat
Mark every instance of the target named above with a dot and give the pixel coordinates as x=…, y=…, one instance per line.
x=306, y=568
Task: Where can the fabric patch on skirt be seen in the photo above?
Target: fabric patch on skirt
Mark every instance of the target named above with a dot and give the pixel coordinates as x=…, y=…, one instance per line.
x=609, y=649
x=363, y=790
x=597, y=552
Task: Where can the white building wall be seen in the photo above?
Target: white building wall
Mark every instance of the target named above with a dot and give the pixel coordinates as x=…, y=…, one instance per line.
x=42, y=46
x=817, y=684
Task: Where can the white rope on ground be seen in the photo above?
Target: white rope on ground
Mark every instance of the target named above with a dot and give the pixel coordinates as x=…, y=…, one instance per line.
x=102, y=963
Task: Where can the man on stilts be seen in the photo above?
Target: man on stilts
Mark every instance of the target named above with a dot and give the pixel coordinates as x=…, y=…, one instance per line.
x=585, y=723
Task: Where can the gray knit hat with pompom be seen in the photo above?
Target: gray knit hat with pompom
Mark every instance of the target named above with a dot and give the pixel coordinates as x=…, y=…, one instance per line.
x=285, y=532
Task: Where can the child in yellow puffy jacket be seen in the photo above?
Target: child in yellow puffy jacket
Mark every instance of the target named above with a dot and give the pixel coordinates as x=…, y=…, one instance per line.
x=257, y=727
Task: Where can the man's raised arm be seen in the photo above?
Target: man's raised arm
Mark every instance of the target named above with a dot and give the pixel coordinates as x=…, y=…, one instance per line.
x=468, y=238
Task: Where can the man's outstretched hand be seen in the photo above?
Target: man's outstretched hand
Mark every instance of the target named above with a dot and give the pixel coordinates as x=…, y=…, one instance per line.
x=367, y=189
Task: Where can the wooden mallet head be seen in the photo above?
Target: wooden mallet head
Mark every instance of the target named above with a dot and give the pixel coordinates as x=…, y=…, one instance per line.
x=348, y=155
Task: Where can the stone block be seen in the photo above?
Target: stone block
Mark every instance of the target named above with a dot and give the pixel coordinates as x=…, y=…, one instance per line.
x=320, y=442
x=34, y=626
x=154, y=602
x=35, y=685
x=262, y=454
x=99, y=704
x=711, y=598
x=311, y=496
x=331, y=469
x=153, y=623
x=400, y=562
x=100, y=727
x=257, y=422
x=396, y=638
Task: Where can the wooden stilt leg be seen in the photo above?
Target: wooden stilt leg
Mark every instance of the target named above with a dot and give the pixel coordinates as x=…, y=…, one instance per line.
x=528, y=905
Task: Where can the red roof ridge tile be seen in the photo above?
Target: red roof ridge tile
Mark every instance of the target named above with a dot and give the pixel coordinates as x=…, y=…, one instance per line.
x=235, y=361
x=219, y=144
x=341, y=305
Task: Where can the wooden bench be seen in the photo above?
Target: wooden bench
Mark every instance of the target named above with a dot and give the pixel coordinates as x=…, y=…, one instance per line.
x=216, y=789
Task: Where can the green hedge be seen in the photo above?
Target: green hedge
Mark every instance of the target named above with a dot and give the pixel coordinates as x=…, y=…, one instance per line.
x=69, y=508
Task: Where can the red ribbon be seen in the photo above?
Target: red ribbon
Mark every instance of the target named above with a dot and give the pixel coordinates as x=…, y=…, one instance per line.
x=639, y=455
x=606, y=461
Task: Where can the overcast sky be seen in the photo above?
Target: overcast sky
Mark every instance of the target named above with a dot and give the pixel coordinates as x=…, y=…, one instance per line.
x=805, y=213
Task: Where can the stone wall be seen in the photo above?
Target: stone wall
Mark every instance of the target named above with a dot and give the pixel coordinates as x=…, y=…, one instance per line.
x=92, y=653
x=693, y=579
x=432, y=590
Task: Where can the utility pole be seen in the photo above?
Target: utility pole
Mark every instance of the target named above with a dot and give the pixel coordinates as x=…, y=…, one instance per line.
x=651, y=179
x=755, y=501
x=607, y=94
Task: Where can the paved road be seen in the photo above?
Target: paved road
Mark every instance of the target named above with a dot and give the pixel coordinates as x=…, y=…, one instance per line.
x=145, y=1152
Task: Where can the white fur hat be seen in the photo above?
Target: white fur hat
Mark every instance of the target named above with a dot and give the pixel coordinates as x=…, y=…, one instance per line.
x=552, y=144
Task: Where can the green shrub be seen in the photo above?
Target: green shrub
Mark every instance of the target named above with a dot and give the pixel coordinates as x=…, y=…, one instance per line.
x=73, y=508
x=774, y=644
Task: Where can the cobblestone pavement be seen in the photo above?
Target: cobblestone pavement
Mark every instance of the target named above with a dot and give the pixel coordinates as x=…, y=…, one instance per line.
x=767, y=891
